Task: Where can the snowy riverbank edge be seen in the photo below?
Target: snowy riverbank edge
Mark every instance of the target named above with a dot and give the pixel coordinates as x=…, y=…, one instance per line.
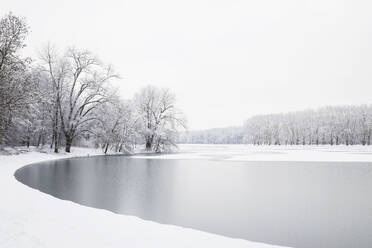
x=29, y=218
x=321, y=153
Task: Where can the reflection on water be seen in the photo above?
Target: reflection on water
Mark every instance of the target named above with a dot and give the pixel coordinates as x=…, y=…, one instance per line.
x=299, y=204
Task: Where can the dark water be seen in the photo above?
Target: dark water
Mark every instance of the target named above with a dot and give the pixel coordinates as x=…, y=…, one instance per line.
x=299, y=204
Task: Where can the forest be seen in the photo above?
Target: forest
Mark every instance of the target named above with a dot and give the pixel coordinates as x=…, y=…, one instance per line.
x=332, y=125
x=69, y=98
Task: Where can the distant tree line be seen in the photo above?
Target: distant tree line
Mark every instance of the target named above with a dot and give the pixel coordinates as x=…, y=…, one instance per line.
x=228, y=135
x=349, y=125
x=67, y=98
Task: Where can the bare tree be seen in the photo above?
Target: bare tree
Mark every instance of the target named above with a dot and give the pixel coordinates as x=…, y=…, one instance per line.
x=116, y=126
x=159, y=117
x=79, y=81
x=13, y=32
x=57, y=68
x=16, y=89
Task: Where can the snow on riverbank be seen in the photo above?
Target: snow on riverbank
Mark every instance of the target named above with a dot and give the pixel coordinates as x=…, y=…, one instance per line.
x=29, y=218
x=340, y=153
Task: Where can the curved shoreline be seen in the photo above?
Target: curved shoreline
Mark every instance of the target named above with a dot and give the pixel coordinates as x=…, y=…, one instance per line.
x=31, y=219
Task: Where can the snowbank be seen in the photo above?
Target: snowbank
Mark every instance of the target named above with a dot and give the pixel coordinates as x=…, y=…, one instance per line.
x=322, y=153
x=29, y=218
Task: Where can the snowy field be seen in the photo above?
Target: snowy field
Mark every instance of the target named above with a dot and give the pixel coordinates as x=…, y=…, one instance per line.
x=340, y=153
x=29, y=218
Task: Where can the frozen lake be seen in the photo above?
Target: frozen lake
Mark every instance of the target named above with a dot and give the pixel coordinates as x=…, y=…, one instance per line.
x=298, y=204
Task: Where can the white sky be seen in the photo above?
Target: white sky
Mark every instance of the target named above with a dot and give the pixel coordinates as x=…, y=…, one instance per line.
x=225, y=60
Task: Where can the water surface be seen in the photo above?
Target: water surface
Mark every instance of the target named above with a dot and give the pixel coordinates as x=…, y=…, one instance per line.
x=298, y=204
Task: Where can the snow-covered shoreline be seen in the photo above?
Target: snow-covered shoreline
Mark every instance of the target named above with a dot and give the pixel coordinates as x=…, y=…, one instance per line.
x=29, y=218
x=321, y=153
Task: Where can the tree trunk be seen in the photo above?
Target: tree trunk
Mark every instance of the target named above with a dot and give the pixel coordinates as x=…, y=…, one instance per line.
x=106, y=148
x=51, y=144
x=68, y=143
x=56, y=142
x=38, y=140
x=43, y=140
x=149, y=141
x=55, y=131
x=148, y=145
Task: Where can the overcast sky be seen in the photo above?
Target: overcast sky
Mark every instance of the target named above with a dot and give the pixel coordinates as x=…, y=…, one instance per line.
x=225, y=60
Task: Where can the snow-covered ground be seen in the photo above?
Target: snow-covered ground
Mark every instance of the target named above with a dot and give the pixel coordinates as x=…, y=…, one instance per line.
x=29, y=218
x=340, y=153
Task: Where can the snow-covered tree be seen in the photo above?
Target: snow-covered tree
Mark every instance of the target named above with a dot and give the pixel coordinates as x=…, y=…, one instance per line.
x=116, y=127
x=159, y=118
x=16, y=84
x=79, y=81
